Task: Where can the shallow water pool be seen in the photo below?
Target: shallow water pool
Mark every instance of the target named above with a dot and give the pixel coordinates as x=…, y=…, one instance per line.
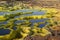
x=4, y=31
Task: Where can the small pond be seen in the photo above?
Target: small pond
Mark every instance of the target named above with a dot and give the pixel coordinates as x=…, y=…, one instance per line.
x=35, y=12
x=4, y=31
x=39, y=20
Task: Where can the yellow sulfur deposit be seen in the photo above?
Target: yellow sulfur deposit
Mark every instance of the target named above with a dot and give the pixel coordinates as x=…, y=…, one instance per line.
x=2, y=18
x=44, y=32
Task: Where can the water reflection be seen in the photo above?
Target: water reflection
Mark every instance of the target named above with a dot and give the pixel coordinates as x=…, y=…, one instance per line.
x=34, y=13
x=4, y=31
x=25, y=10
x=42, y=25
x=39, y=20
x=5, y=22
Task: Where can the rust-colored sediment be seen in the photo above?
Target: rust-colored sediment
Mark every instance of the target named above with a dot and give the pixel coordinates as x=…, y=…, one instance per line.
x=37, y=37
